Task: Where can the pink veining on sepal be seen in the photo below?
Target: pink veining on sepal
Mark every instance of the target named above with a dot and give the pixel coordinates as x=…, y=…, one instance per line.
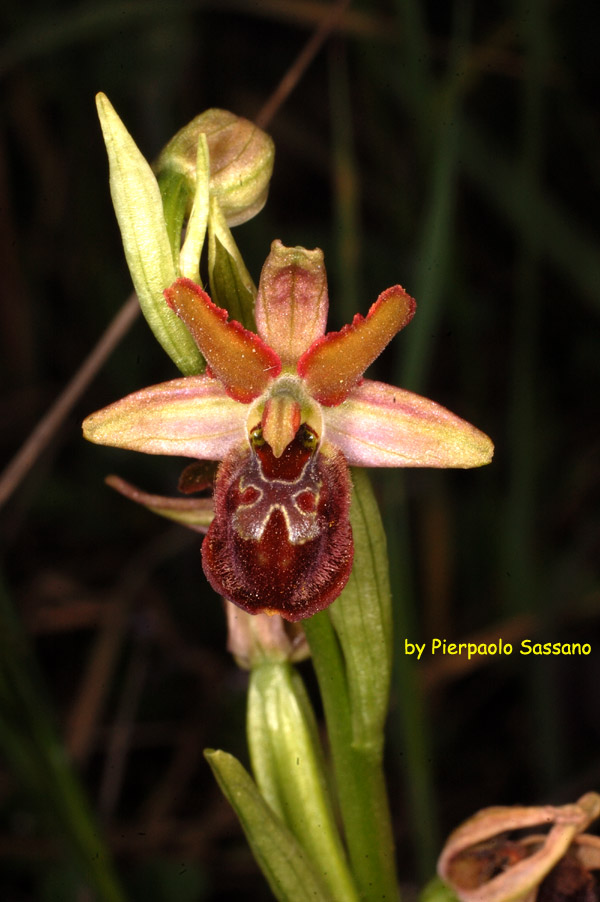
x=335, y=363
x=401, y=429
x=285, y=411
x=238, y=358
x=188, y=417
x=292, y=300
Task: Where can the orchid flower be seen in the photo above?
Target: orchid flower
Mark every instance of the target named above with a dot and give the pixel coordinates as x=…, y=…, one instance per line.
x=287, y=411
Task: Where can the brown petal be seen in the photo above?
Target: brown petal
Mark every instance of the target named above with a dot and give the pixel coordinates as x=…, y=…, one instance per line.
x=238, y=358
x=335, y=363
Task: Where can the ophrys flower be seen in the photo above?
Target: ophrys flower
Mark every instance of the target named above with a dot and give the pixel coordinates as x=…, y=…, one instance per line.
x=287, y=410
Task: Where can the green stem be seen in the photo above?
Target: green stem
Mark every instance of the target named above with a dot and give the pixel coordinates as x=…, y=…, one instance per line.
x=359, y=775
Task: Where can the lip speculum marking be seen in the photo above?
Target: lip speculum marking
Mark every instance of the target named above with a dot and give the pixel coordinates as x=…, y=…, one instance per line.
x=290, y=484
x=281, y=538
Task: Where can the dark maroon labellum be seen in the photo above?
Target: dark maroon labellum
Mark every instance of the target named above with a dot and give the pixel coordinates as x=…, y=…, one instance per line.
x=281, y=540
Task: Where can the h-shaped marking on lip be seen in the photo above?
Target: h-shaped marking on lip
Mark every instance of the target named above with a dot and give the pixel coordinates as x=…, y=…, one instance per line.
x=297, y=500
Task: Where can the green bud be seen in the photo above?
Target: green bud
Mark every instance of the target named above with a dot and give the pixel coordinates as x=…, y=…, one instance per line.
x=241, y=161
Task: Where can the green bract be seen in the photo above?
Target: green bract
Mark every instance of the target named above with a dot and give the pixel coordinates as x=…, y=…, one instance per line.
x=214, y=173
x=287, y=763
x=138, y=206
x=290, y=873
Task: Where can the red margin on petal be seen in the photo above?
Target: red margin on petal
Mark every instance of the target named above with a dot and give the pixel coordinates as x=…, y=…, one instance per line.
x=335, y=363
x=238, y=358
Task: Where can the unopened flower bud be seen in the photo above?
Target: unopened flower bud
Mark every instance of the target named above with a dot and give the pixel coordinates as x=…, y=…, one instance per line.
x=241, y=161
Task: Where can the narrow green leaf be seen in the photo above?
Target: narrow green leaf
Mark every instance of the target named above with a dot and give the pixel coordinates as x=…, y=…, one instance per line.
x=364, y=610
x=351, y=645
x=359, y=776
x=174, y=195
x=138, y=206
x=282, y=859
x=231, y=286
x=288, y=764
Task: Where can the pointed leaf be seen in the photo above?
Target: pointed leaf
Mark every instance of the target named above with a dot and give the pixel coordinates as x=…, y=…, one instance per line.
x=292, y=302
x=231, y=286
x=334, y=364
x=288, y=764
x=358, y=770
x=189, y=258
x=364, y=609
x=238, y=358
x=190, y=417
x=195, y=513
x=286, y=866
x=174, y=193
x=138, y=206
x=382, y=426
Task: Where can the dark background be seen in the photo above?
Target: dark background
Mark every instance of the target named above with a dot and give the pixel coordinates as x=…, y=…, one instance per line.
x=450, y=147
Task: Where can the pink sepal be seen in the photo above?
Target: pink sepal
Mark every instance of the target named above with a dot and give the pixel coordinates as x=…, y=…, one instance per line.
x=382, y=426
x=292, y=301
x=188, y=417
x=195, y=513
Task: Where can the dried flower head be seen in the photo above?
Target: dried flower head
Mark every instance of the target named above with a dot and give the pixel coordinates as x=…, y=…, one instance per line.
x=483, y=861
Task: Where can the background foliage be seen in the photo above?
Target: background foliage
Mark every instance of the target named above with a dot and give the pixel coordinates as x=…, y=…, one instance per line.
x=450, y=147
